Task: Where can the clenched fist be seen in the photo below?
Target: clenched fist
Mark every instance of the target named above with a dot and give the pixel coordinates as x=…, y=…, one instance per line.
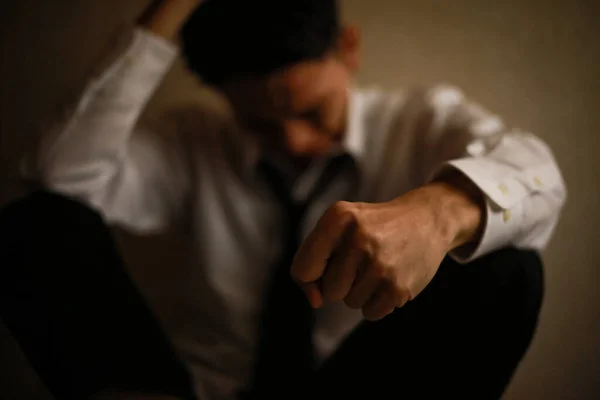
x=377, y=257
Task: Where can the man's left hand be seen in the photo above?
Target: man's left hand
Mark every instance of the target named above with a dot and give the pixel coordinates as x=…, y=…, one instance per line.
x=377, y=257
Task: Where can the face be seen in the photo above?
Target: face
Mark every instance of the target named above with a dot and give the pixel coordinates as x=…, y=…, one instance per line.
x=301, y=110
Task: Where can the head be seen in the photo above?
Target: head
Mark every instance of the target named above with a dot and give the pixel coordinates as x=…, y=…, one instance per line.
x=285, y=67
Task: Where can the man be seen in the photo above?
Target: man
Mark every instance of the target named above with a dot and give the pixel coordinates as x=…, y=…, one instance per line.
x=314, y=190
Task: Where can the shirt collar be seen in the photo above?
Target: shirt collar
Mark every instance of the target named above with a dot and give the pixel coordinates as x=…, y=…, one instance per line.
x=355, y=137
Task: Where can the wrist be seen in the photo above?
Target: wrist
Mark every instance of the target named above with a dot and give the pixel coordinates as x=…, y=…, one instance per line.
x=459, y=207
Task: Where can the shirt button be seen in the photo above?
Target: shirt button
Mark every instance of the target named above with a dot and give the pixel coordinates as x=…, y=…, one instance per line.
x=507, y=215
x=538, y=181
x=503, y=188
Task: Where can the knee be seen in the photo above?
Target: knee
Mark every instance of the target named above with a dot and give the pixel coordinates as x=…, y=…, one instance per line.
x=517, y=278
x=41, y=229
x=48, y=240
x=44, y=213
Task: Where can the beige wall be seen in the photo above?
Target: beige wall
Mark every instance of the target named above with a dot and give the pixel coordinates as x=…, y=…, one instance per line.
x=537, y=66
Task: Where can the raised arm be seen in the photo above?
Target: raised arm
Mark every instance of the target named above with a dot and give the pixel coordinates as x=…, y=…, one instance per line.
x=135, y=178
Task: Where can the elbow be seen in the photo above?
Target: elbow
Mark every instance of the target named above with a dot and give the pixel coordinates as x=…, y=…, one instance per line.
x=86, y=183
x=51, y=177
x=560, y=192
x=35, y=172
x=551, y=192
x=557, y=188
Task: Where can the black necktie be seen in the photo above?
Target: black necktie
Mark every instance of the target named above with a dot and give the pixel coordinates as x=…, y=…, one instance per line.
x=285, y=359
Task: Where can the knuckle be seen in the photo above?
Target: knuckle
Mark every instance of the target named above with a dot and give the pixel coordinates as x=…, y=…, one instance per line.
x=365, y=239
x=404, y=291
x=341, y=207
x=343, y=210
x=361, y=234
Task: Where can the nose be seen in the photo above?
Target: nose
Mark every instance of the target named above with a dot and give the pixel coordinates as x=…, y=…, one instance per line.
x=304, y=140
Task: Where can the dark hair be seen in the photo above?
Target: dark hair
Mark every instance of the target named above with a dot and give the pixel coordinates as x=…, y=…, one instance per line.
x=241, y=38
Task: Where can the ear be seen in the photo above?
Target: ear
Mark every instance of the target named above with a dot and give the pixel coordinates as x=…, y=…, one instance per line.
x=349, y=46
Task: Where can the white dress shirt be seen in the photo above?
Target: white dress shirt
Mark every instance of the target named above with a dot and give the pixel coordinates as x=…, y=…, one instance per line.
x=197, y=169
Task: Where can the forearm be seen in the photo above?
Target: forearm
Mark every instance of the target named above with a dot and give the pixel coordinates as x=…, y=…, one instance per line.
x=457, y=209
x=460, y=208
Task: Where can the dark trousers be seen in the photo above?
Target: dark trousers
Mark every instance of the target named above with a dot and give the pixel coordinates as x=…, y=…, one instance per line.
x=68, y=300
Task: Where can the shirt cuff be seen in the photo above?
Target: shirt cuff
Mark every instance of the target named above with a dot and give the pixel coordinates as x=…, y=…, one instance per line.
x=503, y=209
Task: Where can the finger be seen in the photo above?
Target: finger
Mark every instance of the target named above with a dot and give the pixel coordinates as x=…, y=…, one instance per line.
x=402, y=298
x=364, y=287
x=311, y=259
x=381, y=304
x=341, y=271
x=313, y=294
